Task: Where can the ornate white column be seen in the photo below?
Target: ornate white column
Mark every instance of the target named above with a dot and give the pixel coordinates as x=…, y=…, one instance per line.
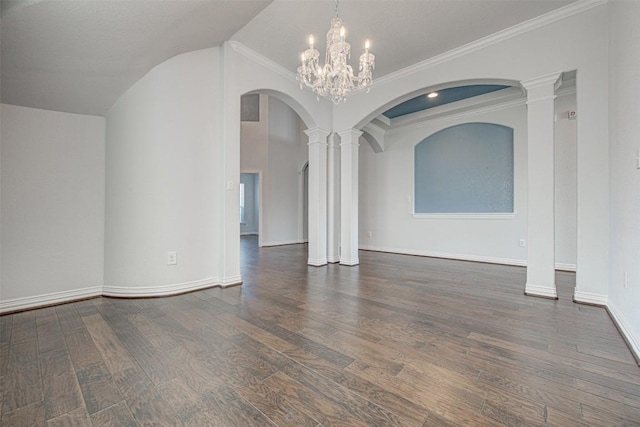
x=317, y=196
x=349, y=150
x=333, y=199
x=540, y=161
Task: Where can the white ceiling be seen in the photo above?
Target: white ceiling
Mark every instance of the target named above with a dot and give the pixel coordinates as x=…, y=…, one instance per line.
x=80, y=56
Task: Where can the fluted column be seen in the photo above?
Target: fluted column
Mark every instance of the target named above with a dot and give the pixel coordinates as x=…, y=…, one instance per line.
x=540, y=160
x=349, y=150
x=317, y=196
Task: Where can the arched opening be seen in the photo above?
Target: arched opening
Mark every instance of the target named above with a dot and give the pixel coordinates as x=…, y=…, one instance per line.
x=273, y=145
x=393, y=218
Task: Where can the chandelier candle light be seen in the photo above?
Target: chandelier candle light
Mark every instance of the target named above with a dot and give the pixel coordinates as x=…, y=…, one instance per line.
x=335, y=79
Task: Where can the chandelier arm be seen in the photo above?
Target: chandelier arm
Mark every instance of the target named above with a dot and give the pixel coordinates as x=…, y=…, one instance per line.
x=336, y=78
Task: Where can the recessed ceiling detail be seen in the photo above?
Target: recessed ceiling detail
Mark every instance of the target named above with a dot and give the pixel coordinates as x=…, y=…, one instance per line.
x=445, y=96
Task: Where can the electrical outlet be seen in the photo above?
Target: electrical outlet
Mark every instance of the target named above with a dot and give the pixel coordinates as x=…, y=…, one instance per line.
x=522, y=243
x=172, y=258
x=370, y=234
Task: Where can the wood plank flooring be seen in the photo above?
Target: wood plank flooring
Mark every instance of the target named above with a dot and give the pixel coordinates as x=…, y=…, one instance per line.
x=395, y=341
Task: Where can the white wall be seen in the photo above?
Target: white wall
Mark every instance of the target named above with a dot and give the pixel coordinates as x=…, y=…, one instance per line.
x=254, y=152
x=164, y=180
x=571, y=42
x=254, y=140
x=285, y=146
x=386, y=194
x=52, y=198
x=386, y=199
x=624, y=87
x=274, y=147
x=565, y=159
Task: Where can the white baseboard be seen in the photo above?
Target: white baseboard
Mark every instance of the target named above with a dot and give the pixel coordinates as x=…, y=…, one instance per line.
x=349, y=261
x=434, y=254
x=631, y=337
x=248, y=233
x=281, y=243
x=462, y=257
x=333, y=259
x=590, y=298
x=317, y=262
x=565, y=267
x=231, y=281
x=19, y=304
x=161, y=290
x=544, y=291
x=26, y=303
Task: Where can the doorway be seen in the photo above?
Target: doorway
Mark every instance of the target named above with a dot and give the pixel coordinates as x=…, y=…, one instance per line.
x=250, y=204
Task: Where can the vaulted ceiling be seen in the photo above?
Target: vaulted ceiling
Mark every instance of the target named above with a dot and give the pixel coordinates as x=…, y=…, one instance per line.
x=81, y=56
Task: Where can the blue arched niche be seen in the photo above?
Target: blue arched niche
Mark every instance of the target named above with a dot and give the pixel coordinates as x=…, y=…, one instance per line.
x=466, y=168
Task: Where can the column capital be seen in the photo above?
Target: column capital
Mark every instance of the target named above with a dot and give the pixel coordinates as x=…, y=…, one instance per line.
x=546, y=80
x=317, y=135
x=542, y=88
x=349, y=136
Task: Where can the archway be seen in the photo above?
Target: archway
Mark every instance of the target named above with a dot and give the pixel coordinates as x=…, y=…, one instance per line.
x=273, y=144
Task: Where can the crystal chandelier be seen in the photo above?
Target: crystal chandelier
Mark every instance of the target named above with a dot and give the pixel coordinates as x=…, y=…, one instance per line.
x=335, y=79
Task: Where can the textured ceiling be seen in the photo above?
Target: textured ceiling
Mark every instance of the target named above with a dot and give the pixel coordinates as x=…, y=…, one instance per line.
x=402, y=32
x=81, y=56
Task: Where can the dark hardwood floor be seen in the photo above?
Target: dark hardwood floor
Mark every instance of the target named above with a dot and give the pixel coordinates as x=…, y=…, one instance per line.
x=398, y=340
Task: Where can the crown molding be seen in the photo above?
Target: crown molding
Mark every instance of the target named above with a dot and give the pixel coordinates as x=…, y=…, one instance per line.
x=261, y=59
x=572, y=9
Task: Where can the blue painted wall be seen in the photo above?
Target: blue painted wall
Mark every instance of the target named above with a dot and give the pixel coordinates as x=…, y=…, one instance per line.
x=467, y=168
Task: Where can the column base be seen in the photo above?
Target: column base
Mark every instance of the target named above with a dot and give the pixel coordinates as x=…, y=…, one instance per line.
x=543, y=291
x=319, y=262
x=333, y=259
x=590, y=298
x=349, y=262
x=231, y=281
